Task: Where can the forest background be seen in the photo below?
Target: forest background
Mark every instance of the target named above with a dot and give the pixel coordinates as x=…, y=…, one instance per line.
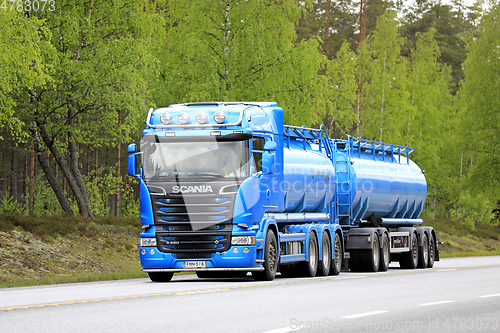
x=76, y=83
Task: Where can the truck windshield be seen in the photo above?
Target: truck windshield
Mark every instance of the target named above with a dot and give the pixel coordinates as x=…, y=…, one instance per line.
x=208, y=159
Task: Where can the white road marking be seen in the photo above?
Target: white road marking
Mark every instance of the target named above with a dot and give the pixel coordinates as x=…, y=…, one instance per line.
x=359, y=315
x=436, y=303
x=493, y=295
x=280, y=330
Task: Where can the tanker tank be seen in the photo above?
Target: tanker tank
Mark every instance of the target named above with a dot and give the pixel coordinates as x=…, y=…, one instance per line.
x=385, y=181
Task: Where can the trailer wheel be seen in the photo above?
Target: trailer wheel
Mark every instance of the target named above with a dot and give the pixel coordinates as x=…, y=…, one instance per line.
x=326, y=255
x=371, y=258
x=270, y=259
x=423, y=256
x=337, y=259
x=384, y=254
x=161, y=276
x=410, y=259
x=310, y=267
x=432, y=250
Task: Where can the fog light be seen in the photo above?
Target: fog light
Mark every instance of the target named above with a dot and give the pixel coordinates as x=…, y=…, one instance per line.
x=235, y=250
x=143, y=251
x=152, y=251
x=246, y=250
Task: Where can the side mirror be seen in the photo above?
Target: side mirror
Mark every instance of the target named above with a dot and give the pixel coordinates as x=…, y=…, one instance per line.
x=131, y=148
x=268, y=157
x=132, y=161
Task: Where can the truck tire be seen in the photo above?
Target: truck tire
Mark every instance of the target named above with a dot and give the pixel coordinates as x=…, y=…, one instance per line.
x=336, y=264
x=326, y=255
x=432, y=252
x=270, y=259
x=355, y=260
x=384, y=254
x=161, y=276
x=410, y=259
x=371, y=258
x=310, y=267
x=423, y=256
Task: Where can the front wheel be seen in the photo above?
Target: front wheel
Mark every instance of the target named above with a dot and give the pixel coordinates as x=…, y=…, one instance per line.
x=161, y=276
x=270, y=259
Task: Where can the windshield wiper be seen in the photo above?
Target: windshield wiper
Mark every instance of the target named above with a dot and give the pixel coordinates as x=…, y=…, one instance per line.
x=206, y=174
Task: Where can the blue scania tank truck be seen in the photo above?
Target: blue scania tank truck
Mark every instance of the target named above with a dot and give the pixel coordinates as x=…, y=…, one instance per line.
x=227, y=189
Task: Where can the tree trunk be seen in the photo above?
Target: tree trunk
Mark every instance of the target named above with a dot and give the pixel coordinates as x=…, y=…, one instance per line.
x=31, y=179
x=84, y=209
x=77, y=175
x=118, y=164
x=44, y=163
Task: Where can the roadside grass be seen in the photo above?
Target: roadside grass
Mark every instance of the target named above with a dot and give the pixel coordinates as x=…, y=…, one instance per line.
x=68, y=249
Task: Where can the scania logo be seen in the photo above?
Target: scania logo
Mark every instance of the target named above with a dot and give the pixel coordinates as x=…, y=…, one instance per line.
x=192, y=189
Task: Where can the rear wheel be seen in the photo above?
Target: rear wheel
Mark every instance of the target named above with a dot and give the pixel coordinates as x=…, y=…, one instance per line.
x=432, y=252
x=423, y=257
x=371, y=258
x=337, y=256
x=310, y=267
x=326, y=255
x=384, y=254
x=270, y=259
x=410, y=259
x=161, y=276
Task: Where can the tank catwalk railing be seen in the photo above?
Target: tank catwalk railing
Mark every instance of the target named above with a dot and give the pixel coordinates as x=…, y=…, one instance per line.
x=311, y=135
x=379, y=149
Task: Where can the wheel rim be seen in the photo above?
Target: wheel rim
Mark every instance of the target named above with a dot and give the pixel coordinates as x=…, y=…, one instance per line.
x=376, y=252
x=415, y=250
x=338, y=251
x=385, y=252
x=431, y=251
x=425, y=251
x=326, y=252
x=312, y=254
x=272, y=254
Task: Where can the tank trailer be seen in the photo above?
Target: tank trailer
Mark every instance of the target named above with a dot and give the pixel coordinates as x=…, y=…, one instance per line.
x=227, y=189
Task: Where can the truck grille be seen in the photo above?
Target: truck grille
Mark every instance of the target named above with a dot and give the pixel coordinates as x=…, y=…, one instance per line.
x=189, y=223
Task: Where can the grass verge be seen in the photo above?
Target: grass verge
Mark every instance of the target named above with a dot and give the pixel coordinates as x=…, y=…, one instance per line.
x=64, y=249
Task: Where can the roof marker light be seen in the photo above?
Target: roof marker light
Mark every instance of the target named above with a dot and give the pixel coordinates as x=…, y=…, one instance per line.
x=201, y=117
x=183, y=118
x=166, y=118
x=219, y=117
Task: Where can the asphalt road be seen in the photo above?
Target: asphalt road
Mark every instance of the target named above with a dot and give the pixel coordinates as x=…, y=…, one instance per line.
x=457, y=295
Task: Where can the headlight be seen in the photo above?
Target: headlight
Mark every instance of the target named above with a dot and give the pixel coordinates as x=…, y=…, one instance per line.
x=183, y=118
x=219, y=117
x=243, y=240
x=148, y=242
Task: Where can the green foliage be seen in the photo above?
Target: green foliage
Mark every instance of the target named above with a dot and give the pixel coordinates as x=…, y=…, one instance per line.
x=241, y=51
x=100, y=188
x=10, y=205
x=44, y=200
x=472, y=210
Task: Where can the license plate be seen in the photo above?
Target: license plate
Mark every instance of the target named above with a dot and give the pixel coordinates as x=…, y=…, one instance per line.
x=194, y=264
